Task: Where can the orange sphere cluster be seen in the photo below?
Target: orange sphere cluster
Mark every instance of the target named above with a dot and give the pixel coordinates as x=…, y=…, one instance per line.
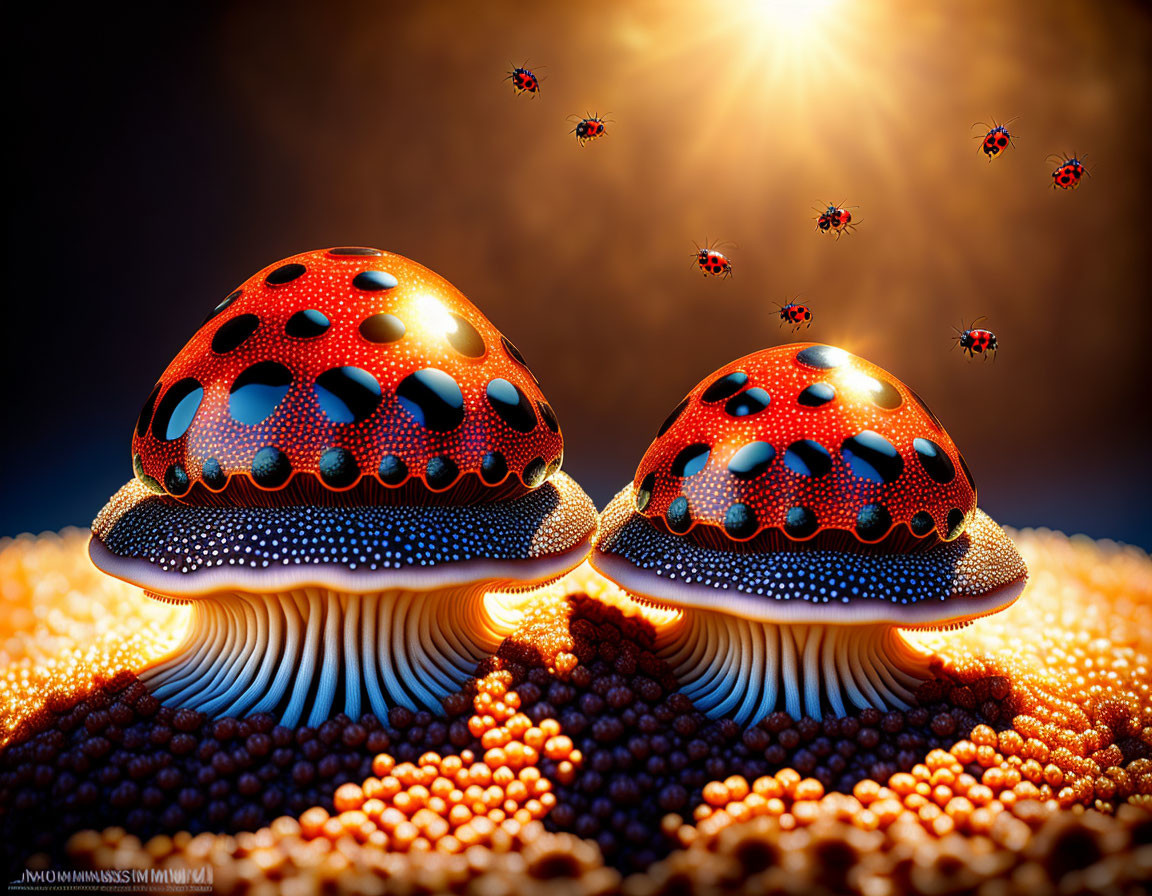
x=450, y=803
x=63, y=626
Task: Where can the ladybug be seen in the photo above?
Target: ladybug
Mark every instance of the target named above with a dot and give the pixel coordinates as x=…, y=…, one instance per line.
x=1068, y=173
x=795, y=314
x=996, y=140
x=835, y=219
x=713, y=262
x=588, y=128
x=523, y=81
x=977, y=341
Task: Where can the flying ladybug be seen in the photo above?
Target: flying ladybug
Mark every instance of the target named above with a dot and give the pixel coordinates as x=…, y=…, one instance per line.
x=1068, y=173
x=996, y=138
x=795, y=314
x=835, y=219
x=523, y=80
x=976, y=341
x=587, y=128
x=712, y=261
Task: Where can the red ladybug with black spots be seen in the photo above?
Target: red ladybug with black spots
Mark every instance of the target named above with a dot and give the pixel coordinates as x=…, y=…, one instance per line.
x=587, y=128
x=976, y=341
x=795, y=314
x=523, y=81
x=835, y=219
x=1068, y=173
x=996, y=139
x=713, y=262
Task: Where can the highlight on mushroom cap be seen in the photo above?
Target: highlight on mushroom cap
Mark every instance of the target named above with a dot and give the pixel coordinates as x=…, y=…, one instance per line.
x=797, y=505
x=338, y=470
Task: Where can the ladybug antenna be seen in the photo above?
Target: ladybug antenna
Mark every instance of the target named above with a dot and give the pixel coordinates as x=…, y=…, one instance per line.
x=980, y=318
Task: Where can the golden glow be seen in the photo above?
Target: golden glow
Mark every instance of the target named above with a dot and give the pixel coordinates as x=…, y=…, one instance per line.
x=856, y=384
x=433, y=317
x=65, y=626
x=792, y=19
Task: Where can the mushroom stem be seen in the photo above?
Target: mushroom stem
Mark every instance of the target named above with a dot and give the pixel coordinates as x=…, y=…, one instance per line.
x=313, y=652
x=745, y=669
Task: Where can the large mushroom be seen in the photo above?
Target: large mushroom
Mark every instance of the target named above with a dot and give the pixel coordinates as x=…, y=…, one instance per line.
x=796, y=508
x=347, y=471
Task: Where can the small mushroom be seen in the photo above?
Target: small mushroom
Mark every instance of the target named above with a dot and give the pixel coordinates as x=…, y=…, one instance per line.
x=796, y=507
x=339, y=472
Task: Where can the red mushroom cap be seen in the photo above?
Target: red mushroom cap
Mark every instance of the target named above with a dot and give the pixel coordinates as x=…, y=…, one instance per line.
x=346, y=375
x=802, y=440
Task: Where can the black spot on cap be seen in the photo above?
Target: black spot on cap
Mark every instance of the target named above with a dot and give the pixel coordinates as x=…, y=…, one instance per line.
x=146, y=412
x=511, y=405
x=807, y=458
x=149, y=481
x=257, y=391
x=816, y=395
x=644, y=492
x=228, y=300
x=354, y=250
x=548, y=416
x=306, y=324
x=751, y=460
x=493, y=468
x=873, y=522
x=922, y=523
x=740, y=521
x=882, y=393
x=347, y=394
x=433, y=399
x=271, y=467
x=441, y=472
x=535, y=472
x=176, y=409
x=823, y=357
x=967, y=473
x=513, y=352
x=872, y=457
x=213, y=474
x=234, y=333
x=955, y=522
x=176, y=480
x=392, y=470
x=725, y=386
x=927, y=410
x=691, y=459
x=465, y=338
x=800, y=522
x=678, y=515
x=751, y=401
x=382, y=327
x=286, y=273
x=672, y=418
x=338, y=468
x=374, y=281
x=934, y=460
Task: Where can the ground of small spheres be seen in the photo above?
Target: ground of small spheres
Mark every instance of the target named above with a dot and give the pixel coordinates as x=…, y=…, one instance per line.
x=572, y=765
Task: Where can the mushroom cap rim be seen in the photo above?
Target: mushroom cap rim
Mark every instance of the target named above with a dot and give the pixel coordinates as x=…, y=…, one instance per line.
x=143, y=574
x=681, y=595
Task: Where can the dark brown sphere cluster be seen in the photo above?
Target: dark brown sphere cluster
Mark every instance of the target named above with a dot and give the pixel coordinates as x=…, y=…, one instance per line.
x=647, y=751
x=116, y=756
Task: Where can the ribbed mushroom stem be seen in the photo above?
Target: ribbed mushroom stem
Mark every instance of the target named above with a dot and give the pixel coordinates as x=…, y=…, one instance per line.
x=311, y=653
x=742, y=669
